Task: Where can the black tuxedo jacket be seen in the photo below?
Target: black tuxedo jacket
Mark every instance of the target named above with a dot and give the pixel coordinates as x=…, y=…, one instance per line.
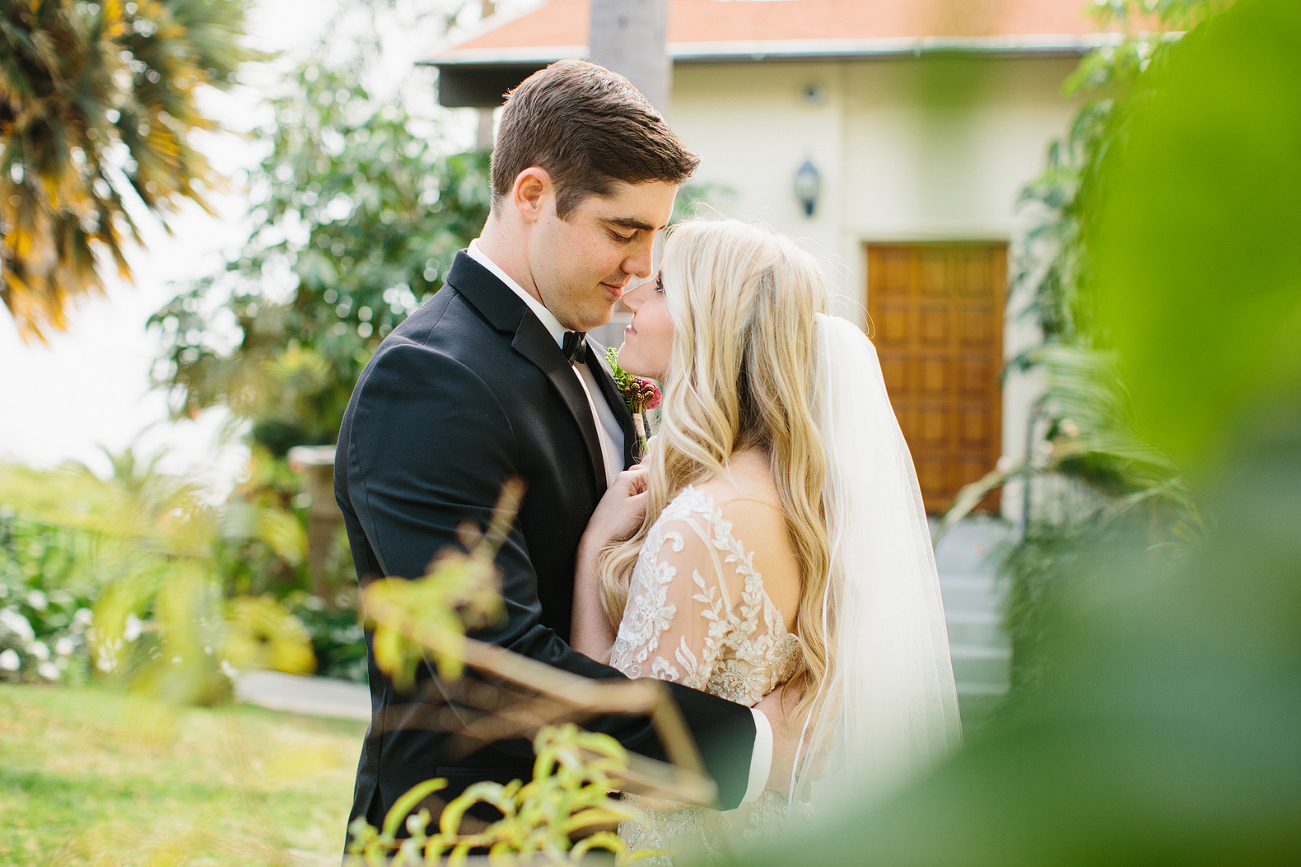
x=469, y=391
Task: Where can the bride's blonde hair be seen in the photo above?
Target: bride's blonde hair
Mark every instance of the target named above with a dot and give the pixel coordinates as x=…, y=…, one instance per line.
x=741, y=374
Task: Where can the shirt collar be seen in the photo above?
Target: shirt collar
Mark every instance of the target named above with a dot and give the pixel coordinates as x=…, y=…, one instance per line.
x=549, y=321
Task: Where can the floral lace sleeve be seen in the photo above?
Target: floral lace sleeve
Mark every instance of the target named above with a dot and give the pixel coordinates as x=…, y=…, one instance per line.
x=694, y=595
x=698, y=614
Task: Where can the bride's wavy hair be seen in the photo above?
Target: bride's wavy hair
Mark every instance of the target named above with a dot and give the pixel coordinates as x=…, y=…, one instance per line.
x=741, y=374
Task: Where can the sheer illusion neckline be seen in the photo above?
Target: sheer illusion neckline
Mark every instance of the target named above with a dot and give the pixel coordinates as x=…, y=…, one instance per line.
x=698, y=611
x=713, y=510
x=699, y=614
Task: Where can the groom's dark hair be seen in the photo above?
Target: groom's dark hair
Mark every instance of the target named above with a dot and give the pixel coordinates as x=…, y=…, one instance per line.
x=587, y=127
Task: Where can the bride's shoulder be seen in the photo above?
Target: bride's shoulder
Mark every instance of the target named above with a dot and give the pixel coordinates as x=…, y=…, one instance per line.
x=746, y=494
x=741, y=514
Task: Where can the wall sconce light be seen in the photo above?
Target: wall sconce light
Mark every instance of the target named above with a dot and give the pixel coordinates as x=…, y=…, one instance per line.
x=808, y=186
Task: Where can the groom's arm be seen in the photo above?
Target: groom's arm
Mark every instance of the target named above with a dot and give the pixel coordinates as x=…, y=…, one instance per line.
x=430, y=447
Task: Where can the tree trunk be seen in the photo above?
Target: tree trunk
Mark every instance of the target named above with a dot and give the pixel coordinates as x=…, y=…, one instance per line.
x=483, y=139
x=628, y=37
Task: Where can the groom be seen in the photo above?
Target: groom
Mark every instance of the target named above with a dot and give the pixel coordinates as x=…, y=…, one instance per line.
x=492, y=379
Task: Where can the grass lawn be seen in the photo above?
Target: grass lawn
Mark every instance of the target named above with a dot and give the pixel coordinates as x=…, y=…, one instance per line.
x=89, y=776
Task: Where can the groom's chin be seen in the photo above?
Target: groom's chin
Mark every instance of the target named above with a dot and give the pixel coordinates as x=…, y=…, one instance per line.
x=596, y=319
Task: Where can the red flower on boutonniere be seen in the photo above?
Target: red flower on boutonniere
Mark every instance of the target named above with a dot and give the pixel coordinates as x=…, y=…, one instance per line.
x=640, y=395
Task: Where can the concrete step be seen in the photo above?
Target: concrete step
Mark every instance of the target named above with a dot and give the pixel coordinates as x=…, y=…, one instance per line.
x=983, y=628
x=968, y=546
x=974, y=664
x=975, y=709
x=965, y=578
x=967, y=592
x=973, y=690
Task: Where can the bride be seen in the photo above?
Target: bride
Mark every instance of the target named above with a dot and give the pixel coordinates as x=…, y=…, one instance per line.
x=775, y=535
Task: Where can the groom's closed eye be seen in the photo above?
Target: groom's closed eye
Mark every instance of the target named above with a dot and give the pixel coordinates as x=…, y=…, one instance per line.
x=626, y=230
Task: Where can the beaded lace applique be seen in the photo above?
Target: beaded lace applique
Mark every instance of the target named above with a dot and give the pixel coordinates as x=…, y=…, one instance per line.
x=715, y=630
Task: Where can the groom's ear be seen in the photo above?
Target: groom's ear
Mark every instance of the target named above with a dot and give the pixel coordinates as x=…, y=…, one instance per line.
x=530, y=193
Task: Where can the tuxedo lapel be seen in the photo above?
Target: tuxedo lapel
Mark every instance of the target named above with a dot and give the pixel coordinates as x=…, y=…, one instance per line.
x=597, y=362
x=508, y=313
x=535, y=343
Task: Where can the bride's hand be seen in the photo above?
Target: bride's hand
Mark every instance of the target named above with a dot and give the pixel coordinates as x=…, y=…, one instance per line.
x=620, y=511
x=617, y=516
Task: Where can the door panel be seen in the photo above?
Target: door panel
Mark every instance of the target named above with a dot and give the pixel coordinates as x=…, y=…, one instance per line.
x=893, y=323
x=936, y=313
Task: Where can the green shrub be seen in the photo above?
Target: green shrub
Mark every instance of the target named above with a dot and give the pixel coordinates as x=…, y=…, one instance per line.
x=336, y=633
x=45, y=604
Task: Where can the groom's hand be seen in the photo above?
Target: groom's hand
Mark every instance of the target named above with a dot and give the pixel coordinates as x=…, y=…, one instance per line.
x=779, y=706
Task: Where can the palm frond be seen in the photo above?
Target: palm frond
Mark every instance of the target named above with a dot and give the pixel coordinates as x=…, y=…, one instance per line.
x=81, y=84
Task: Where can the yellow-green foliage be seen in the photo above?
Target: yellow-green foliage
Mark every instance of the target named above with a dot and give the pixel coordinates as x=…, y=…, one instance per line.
x=136, y=547
x=432, y=613
x=574, y=769
x=262, y=634
x=137, y=502
x=569, y=794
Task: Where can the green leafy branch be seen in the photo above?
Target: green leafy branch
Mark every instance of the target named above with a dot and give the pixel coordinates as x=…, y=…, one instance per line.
x=573, y=775
x=422, y=621
x=431, y=614
x=1089, y=437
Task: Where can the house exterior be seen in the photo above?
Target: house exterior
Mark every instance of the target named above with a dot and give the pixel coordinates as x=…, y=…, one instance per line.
x=917, y=121
x=922, y=121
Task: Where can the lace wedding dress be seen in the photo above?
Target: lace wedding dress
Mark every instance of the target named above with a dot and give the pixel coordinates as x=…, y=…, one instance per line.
x=698, y=614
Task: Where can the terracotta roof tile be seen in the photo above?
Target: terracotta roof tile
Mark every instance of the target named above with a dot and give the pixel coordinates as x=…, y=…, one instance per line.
x=564, y=23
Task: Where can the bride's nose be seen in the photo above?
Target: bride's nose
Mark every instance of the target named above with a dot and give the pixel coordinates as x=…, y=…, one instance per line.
x=635, y=297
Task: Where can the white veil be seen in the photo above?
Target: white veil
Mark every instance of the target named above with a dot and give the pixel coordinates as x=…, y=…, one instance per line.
x=888, y=706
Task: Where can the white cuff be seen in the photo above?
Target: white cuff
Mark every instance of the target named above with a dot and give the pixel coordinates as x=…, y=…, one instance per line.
x=761, y=760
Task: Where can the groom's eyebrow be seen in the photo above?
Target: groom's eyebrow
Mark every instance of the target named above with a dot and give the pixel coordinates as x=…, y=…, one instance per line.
x=630, y=223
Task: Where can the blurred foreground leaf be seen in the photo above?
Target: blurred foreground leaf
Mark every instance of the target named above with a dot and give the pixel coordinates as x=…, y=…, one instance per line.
x=1166, y=730
x=262, y=634
x=1197, y=237
x=432, y=613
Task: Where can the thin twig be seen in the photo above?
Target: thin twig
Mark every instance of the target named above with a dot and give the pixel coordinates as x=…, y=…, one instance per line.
x=683, y=780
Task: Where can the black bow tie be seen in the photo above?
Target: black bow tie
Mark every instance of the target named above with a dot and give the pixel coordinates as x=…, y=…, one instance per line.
x=575, y=347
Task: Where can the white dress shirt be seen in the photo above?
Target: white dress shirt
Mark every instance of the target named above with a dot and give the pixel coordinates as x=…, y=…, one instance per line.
x=610, y=435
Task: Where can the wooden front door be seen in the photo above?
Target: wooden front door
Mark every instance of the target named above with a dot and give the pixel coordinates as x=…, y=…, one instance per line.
x=936, y=318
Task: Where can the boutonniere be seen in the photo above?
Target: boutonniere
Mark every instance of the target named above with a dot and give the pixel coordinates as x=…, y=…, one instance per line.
x=640, y=395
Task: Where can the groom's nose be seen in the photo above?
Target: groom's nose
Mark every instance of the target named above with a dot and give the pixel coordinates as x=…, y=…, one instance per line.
x=639, y=260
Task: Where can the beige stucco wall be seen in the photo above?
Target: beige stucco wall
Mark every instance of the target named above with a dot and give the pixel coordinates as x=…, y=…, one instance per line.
x=909, y=150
